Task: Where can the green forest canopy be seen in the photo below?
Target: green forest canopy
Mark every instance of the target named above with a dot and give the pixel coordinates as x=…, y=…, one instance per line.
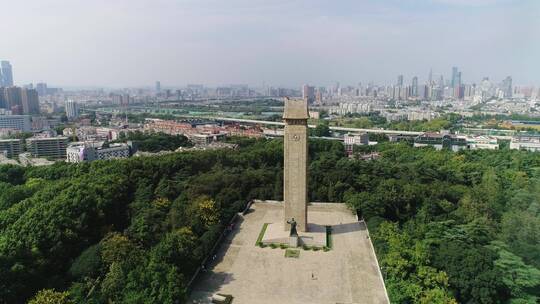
x=155, y=142
x=448, y=227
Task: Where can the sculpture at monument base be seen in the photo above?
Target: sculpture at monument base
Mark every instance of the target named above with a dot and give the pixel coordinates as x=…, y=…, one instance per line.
x=292, y=222
x=293, y=236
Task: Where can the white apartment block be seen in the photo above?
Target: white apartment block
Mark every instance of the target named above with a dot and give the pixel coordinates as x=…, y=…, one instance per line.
x=525, y=142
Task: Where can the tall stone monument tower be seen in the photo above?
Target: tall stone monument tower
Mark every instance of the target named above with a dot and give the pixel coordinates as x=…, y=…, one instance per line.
x=295, y=172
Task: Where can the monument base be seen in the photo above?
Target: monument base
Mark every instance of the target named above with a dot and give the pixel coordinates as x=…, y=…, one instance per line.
x=348, y=273
x=276, y=234
x=293, y=241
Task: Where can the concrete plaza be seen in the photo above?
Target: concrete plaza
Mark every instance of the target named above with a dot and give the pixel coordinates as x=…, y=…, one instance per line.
x=346, y=274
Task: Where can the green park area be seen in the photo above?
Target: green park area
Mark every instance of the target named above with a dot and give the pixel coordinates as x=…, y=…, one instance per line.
x=447, y=227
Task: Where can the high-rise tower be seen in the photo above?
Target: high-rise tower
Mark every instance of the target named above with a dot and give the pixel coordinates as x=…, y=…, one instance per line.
x=507, y=86
x=30, y=101
x=7, y=74
x=13, y=97
x=295, y=195
x=414, y=87
x=454, y=79
x=308, y=93
x=72, y=109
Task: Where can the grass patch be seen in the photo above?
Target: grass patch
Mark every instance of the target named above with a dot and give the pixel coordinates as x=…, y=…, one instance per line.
x=291, y=253
x=261, y=235
x=329, y=242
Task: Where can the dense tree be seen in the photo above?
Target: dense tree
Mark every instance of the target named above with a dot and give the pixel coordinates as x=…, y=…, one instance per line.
x=522, y=280
x=150, y=142
x=48, y=296
x=406, y=268
x=471, y=272
x=322, y=129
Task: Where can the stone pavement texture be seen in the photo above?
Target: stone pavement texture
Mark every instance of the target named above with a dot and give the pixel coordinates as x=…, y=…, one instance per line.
x=346, y=274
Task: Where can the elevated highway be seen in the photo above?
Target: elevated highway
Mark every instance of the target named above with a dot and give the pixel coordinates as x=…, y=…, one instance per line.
x=344, y=129
x=269, y=123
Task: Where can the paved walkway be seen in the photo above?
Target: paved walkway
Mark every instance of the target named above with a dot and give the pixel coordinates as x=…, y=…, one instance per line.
x=347, y=274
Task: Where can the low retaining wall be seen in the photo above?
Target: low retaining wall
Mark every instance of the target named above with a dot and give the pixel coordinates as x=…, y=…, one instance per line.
x=216, y=244
x=362, y=221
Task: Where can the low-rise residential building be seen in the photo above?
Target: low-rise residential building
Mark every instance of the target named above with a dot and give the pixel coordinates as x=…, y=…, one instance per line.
x=90, y=151
x=8, y=132
x=11, y=147
x=400, y=137
x=82, y=133
x=270, y=133
x=351, y=140
x=420, y=115
x=482, y=142
x=17, y=122
x=352, y=107
x=390, y=116
x=113, y=151
x=441, y=141
x=205, y=139
x=89, y=133
x=236, y=130
x=525, y=142
x=168, y=127
x=79, y=152
x=51, y=147
x=356, y=139
x=108, y=133
x=201, y=132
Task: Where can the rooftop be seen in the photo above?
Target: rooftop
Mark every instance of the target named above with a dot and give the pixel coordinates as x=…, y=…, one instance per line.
x=46, y=138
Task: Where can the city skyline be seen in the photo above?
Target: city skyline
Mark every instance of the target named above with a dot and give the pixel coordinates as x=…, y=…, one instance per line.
x=453, y=80
x=285, y=43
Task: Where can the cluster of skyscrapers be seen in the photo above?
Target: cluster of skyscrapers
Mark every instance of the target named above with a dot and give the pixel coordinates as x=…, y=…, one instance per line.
x=452, y=88
x=19, y=101
x=13, y=99
x=434, y=89
x=312, y=94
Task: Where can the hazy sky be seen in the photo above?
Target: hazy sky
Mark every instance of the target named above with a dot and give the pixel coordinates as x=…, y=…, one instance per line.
x=120, y=43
